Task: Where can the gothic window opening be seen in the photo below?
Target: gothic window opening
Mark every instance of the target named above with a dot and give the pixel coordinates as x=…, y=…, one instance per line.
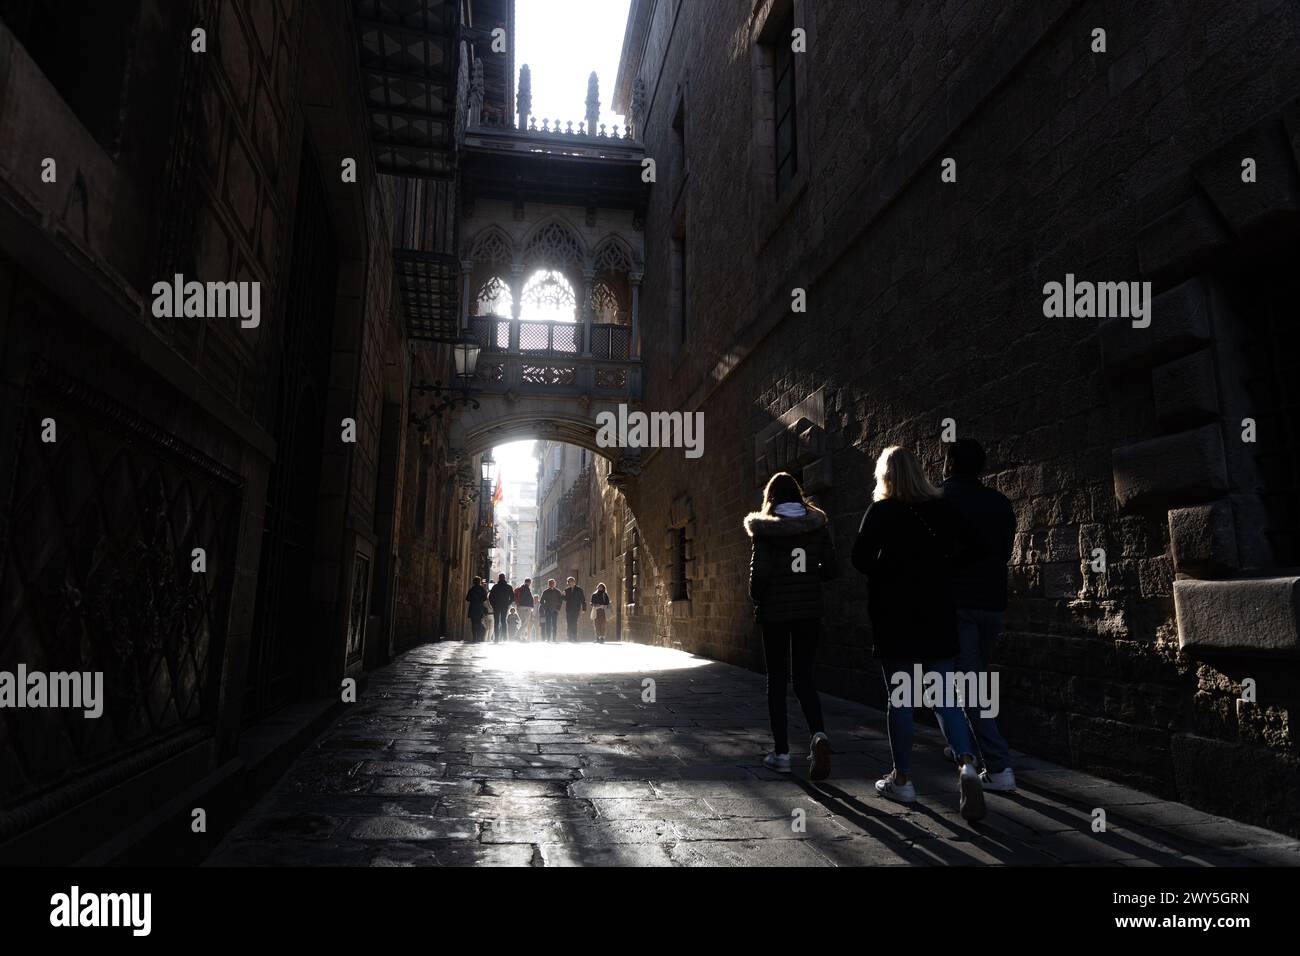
x=605, y=305
x=492, y=249
x=495, y=298
x=553, y=247
x=548, y=297
x=613, y=259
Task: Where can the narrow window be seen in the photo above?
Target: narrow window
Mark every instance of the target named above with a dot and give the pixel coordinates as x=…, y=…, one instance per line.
x=681, y=583
x=783, y=113
x=681, y=298
x=629, y=568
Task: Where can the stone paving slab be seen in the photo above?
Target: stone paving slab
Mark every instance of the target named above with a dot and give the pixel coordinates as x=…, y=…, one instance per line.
x=557, y=755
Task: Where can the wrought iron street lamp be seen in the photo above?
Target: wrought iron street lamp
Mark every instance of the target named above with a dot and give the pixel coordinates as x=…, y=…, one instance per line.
x=464, y=352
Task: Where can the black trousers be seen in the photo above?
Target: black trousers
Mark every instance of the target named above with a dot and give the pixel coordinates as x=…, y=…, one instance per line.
x=499, y=624
x=791, y=646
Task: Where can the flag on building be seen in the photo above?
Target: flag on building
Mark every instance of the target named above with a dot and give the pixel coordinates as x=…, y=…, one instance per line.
x=499, y=495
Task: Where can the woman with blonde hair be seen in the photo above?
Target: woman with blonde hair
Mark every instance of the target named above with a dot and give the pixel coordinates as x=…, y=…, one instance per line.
x=791, y=555
x=909, y=543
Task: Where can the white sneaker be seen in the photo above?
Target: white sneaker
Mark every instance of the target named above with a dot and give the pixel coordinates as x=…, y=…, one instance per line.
x=778, y=762
x=1002, y=780
x=971, y=804
x=904, y=793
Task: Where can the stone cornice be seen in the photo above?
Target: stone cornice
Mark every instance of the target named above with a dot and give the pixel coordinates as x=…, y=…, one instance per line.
x=639, y=14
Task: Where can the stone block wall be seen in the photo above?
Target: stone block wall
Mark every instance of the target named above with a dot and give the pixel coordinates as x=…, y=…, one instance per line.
x=925, y=303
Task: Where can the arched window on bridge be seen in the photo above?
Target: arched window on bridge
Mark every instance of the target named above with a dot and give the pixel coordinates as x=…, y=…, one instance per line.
x=549, y=314
x=495, y=298
x=548, y=297
x=611, y=299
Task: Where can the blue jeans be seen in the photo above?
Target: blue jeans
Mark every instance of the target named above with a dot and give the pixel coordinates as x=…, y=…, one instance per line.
x=902, y=722
x=978, y=631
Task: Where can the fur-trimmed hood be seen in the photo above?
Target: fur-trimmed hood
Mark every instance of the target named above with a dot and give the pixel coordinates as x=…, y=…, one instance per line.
x=759, y=524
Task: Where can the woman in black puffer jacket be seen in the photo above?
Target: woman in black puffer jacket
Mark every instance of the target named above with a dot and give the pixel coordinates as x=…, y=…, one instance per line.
x=792, y=555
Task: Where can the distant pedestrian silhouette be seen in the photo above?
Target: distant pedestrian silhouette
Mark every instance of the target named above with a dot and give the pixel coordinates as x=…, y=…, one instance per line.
x=791, y=555
x=551, y=602
x=525, y=603
x=908, y=544
x=476, y=598
x=500, y=597
x=980, y=592
x=575, y=602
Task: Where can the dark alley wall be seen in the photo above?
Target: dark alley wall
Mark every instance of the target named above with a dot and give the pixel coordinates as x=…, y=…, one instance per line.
x=925, y=303
x=175, y=433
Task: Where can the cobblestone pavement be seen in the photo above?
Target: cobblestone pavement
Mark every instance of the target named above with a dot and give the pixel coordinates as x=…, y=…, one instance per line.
x=547, y=755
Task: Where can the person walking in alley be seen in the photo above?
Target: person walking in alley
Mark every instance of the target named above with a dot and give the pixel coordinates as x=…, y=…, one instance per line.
x=500, y=597
x=552, y=601
x=575, y=602
x=524, y=603
x=512, y=624
x=791, y=555
x=908, y=545
x=477, y=600
x=980, y=592
x=599, y=608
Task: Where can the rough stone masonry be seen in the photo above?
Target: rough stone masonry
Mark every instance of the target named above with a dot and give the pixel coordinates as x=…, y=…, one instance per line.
x=1122, y=161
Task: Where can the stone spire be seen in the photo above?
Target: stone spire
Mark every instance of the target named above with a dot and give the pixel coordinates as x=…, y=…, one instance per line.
x=476, y=88
x=524, y=98
x=638, y=107
x=593, y=102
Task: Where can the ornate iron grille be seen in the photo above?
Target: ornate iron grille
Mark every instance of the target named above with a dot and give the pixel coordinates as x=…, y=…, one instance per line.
x=611, y=341
x=611, y=378
x=95, y=567
x=490, y=332
x=428, y=282
x=427, y=271
x=549, y=375
x=564, y=338
x=409, y=66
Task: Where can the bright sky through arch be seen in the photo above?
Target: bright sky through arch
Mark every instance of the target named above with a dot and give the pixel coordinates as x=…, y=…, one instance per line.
x=562, y=41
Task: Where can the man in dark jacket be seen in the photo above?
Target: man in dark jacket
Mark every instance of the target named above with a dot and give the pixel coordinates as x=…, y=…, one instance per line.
x=980, y=591
x=476, y=598
x=552, y=600
x=575, y=602
x=791, y=555
x=500, y=597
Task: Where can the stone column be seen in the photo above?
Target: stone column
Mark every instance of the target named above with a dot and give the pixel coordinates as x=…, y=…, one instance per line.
x=593, y=103
x=516, y=303
x=466, y=274
x=634, y=348
x=524, y=98
x=588, y=277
